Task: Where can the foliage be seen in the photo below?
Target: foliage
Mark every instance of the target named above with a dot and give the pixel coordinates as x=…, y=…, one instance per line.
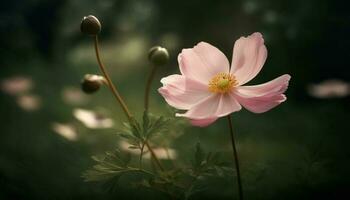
x=137, y=134
x=112, y=164
x=177, y=183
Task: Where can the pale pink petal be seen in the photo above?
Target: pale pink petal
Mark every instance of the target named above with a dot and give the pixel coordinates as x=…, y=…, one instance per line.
x=203, y=122
x=202, y=62
x=216, y=105
x=212, y=57
x=181, y=92
x=261, y=98
x=249, y=55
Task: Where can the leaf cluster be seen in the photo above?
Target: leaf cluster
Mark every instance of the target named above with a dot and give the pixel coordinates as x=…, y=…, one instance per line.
x=177, y=183
x=137, y=133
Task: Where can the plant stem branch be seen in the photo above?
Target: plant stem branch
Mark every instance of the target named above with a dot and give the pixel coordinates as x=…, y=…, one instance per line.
x=120, y=99
x=154, y=156
x=146, y=106
x=109, y=81
x=148, y=86
x=235, y=156
x=141, y=155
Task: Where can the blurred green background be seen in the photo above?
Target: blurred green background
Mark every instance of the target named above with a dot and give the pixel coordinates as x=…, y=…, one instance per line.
x=298, y=150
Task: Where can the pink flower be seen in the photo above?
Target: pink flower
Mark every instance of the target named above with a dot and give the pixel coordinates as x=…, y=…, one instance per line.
x=209, y=89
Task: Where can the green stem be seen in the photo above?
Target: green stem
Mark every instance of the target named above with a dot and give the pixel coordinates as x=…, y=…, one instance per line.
x=148, y=86
x=154, y=156
x=235, y=157
x=141, y=154
x=109, y=81
x=119, y=98
x=146, y=106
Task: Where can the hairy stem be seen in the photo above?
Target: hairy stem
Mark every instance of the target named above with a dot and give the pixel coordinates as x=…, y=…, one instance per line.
x=235, y=157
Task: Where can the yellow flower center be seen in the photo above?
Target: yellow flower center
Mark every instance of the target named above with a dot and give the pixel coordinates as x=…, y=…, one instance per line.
x=222, y=83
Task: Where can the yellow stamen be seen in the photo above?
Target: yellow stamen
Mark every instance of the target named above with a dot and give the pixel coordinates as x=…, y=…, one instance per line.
x=222, y=83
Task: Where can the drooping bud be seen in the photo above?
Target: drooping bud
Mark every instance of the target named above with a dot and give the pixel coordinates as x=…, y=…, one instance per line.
x=158, y=55
x=90, y=25
x=92, y=83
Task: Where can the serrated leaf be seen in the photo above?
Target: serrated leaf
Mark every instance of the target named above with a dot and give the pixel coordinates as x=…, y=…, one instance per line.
x=109, y=165
x=157, y=125
x=127, y=126
x=131, y=132
x=135, y=128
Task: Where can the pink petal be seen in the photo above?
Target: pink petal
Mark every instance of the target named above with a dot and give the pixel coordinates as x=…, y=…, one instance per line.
x=261, y=98
x=202, y=62
x=181, y=92
x=214, y=106
x=203, y=122
x=249, y=55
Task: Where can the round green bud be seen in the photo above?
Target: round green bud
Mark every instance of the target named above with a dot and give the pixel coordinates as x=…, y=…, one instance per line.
x=91, y=83
x=158, y=55
x=90, y=25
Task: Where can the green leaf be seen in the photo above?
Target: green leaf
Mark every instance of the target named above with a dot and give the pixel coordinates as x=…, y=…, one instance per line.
x=135, y=128
x=157, y=125
x=129, y=137
x=131, y=132
x=111, y=164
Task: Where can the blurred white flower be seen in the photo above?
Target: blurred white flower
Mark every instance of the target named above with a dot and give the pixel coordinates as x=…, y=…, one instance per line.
x=161, y=153
x=74, y=96
x=16, y=85
x=331, y=88
x=65, y=130
x=29, y=102
x=92, y=119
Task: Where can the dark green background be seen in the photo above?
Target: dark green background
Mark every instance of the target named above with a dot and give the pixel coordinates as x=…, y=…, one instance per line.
x=300, y=150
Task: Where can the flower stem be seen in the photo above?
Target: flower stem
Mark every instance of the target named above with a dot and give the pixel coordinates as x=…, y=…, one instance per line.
x=110, y=83
x=154, y=156
x=120, y=99
x=146, y=106
x=148, y=86
x=141, y=154
x=235, y=156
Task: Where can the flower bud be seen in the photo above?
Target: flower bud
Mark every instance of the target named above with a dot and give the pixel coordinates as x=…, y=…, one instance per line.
x=158, y=55
x=92, y=83
x=90, y=25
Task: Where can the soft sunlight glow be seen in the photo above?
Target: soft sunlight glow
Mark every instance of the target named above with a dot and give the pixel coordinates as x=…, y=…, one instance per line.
x=74, y=96
x=67, y=131
x=29, y=102
x=332, y=88
x=161, y=153
x=16, y=85
x=92, y=119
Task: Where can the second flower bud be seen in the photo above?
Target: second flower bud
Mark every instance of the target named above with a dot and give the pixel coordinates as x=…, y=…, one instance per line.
x=91, y=83
x=158, y=55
